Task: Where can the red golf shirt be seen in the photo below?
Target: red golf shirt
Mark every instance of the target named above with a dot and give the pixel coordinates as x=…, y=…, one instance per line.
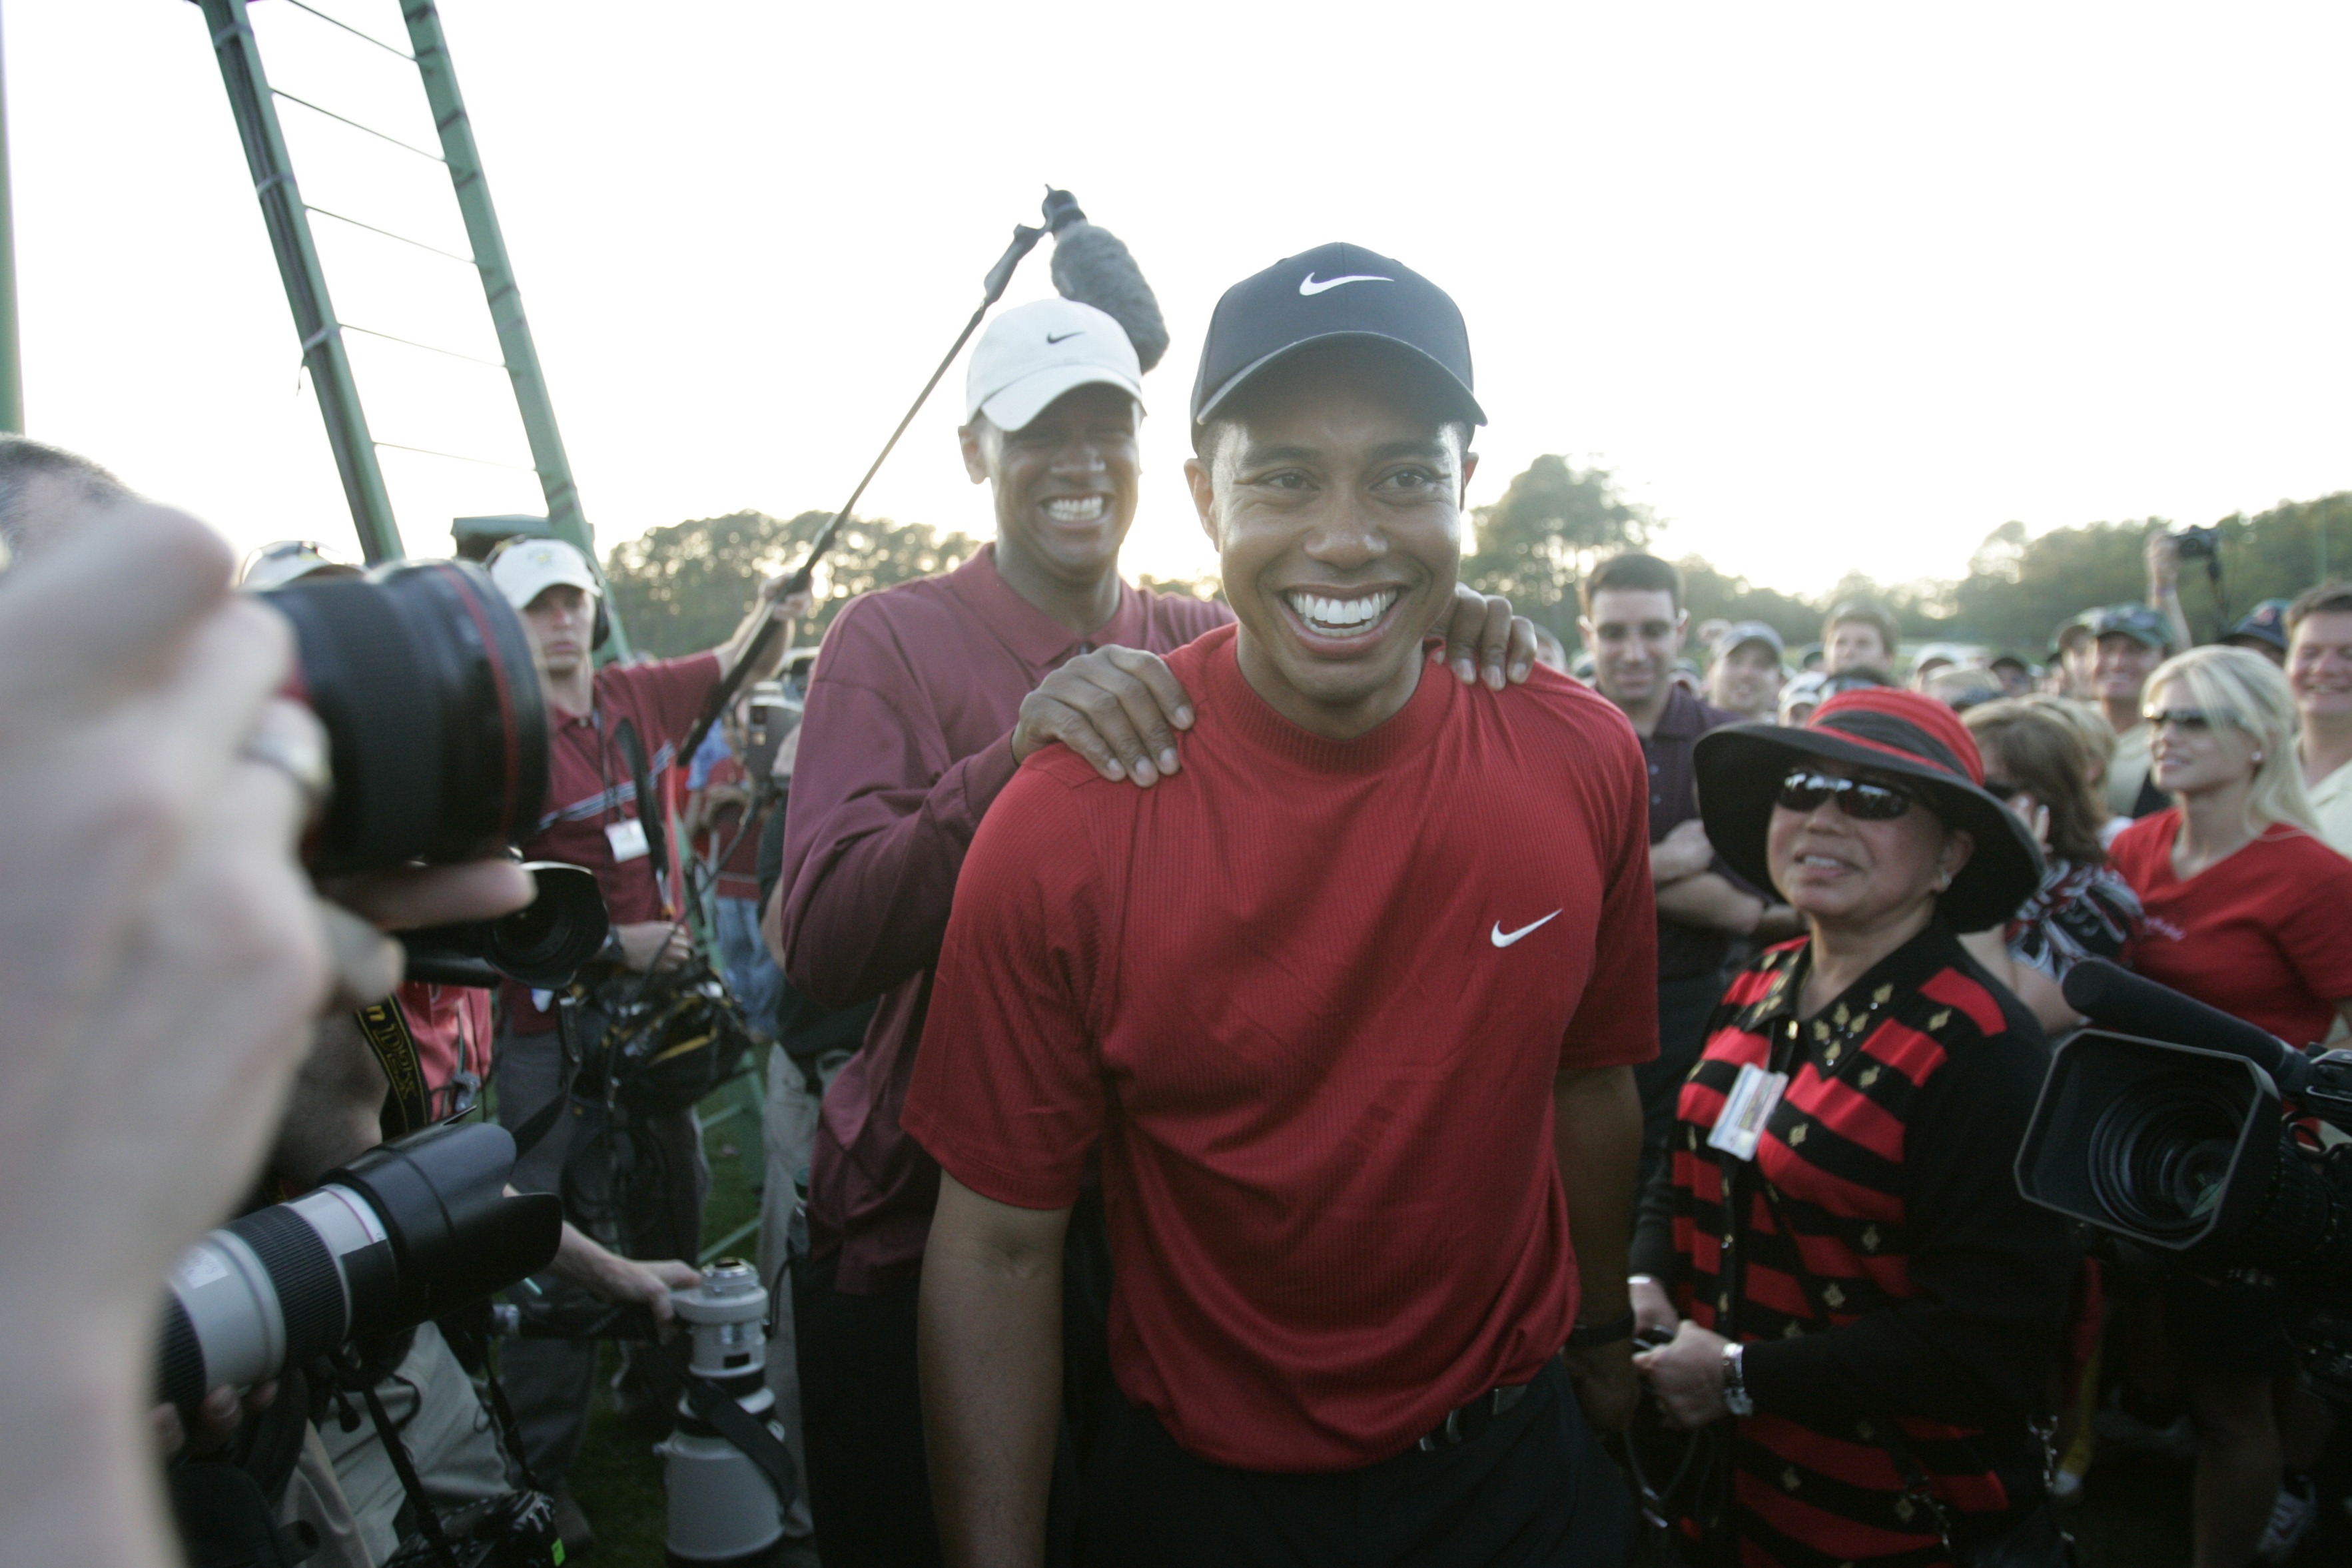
x=589, y=788
x=2262, y=935
x=906, y=740
x=1307, y=998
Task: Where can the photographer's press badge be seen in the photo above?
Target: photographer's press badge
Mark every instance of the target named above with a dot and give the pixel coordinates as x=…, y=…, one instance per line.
x=627, y=839
x=1746, y=1110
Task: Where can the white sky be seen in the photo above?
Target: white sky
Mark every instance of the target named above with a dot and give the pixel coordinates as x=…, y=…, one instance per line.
x=1830, y=287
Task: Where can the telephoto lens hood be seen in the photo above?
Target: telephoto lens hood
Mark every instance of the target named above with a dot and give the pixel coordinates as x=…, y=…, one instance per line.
x=543, y=945
x=406, y=1232
x=422, y=675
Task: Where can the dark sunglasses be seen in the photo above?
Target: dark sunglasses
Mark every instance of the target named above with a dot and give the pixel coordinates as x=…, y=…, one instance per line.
x=2196, y=721
x=1804, y=789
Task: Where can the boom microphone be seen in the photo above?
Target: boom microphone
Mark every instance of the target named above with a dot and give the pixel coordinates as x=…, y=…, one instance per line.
x=1093, y=266
x=2117, y=999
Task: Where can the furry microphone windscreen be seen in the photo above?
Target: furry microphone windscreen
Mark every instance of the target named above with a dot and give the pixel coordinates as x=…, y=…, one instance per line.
x=1092, y=265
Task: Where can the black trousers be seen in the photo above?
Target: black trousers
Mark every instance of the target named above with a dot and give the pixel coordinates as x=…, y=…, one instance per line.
x=1534, y=1487
x=862, y=1414
x=1683, y=1009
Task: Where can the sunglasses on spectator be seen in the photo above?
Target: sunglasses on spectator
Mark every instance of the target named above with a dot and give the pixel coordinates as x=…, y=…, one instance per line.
x=1804, y=789
x=2196, y=721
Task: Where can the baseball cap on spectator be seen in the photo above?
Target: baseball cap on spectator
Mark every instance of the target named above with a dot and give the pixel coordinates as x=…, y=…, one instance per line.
x=1334, y=292
x=1739, y=634
x=1942, y=653
x=526, y=568
x=1033, y=354
x=2067, y=635
x=2137, y=622
x=2265, y=624
x=289, y=561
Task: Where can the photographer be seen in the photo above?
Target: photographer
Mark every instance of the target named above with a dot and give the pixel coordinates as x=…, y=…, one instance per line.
x=2245, y=912
x=593, y=818
x=162, y=952
x=726, y=812
x=1838, y=1248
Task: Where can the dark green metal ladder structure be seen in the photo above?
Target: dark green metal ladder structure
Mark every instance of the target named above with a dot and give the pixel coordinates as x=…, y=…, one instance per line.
x=253, y=102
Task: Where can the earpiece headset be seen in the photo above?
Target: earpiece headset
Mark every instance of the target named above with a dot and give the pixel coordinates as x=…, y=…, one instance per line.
x=603, y=628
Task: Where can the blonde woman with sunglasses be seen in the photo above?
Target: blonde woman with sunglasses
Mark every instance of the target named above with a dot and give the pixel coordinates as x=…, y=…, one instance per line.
x=2246, y=909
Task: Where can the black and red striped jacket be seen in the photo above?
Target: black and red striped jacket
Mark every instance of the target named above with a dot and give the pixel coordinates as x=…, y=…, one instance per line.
x=1888, y=1268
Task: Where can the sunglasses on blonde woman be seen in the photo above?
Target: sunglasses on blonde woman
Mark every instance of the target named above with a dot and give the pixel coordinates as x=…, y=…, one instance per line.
x=1804, y=789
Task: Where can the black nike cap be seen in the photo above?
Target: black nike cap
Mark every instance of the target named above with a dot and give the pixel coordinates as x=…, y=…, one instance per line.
x=1331, y=292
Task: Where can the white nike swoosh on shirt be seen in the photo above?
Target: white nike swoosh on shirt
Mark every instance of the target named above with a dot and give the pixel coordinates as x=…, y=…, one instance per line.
x=1310, y=287
x=1503, y=939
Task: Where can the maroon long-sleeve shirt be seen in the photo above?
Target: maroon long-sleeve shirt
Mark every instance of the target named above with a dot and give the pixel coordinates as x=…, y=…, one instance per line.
x=906, y=739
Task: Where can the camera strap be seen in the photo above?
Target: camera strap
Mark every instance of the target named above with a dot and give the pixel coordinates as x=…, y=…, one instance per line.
x=428, y=1524
x=649, y=811
x=408, y=1104
x=751, y=1435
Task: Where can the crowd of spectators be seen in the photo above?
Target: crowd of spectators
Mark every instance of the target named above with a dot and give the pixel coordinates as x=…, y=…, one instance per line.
x=1169, y=1157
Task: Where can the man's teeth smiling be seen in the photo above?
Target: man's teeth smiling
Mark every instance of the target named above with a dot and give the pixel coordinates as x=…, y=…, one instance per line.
x=1326, y=614
x=1077, y=509
x=1822, y=863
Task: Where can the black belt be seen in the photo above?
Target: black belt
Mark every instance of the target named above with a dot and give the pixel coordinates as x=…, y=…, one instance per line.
x=1464, y=1422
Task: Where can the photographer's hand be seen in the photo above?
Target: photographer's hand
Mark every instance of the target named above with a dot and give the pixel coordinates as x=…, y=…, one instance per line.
x=610, y=1277
x=650, y=945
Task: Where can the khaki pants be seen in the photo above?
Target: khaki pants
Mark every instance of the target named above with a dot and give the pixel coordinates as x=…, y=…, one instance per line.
x=447, y=1430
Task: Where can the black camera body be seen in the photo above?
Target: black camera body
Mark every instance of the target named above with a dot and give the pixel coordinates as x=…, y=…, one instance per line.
x=2198, y=543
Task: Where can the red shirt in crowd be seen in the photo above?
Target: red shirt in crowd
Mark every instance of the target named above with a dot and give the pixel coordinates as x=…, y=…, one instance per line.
x=589, y=787
x=1308, y=998
x=738, y=875
x=451, y=1026
x=906, y=739
x=2262, y=935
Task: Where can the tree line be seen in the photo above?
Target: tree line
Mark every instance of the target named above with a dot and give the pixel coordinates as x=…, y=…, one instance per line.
x=686, y=586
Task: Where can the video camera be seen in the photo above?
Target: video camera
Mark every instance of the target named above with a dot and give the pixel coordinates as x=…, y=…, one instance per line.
x=2168, y=1124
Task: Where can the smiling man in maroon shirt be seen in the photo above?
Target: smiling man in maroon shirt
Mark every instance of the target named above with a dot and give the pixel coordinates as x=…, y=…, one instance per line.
x=925, y=700
x=1346, y=1008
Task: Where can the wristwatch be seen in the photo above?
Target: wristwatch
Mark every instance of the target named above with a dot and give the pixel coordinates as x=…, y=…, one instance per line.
x=1735, y=1382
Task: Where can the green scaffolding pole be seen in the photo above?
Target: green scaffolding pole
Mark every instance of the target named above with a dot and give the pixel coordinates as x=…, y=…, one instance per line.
x=12, y=381
x=564, y=519
x=306, y=281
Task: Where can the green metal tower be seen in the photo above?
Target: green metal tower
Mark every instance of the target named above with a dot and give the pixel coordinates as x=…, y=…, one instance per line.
x=251, y=99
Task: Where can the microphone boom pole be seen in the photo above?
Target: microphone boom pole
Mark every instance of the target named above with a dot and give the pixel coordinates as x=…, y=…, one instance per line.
x=1061, y=209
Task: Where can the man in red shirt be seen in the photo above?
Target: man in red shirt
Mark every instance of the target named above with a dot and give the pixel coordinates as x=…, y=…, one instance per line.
x=924, y=700
x=1347, y=1008
x=592, y=820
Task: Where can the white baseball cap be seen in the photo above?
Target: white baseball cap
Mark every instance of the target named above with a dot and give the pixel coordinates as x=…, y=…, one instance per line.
x=290, y=561
x=1032, y=354
x=528, y=567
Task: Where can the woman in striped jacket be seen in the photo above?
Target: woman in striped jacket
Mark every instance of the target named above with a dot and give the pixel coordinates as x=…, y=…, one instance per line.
x=1863, y=1311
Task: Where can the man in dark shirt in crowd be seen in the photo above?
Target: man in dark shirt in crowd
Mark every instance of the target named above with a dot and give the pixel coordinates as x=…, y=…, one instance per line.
x=1634, y=625
x=925, y=699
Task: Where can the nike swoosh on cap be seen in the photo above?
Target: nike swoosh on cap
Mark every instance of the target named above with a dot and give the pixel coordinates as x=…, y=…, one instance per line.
x=1065, y=336
x=1311, y=285
x=1502, y=938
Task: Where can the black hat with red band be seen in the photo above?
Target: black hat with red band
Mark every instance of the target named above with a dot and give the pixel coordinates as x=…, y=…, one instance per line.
x=1900, y=735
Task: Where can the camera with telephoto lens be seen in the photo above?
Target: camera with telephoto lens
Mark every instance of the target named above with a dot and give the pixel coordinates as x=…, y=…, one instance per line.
x=407, y=1232
x=2198, y=543
x=422, y=678
x=2168, y=1124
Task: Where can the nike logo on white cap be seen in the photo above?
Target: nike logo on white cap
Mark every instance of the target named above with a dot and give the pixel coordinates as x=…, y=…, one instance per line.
x=1310, y=286
x=1502, y=938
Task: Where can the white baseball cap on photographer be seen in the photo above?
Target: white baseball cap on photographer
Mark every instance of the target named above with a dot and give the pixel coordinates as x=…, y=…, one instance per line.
x=524, y=568
x=1034, y=353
